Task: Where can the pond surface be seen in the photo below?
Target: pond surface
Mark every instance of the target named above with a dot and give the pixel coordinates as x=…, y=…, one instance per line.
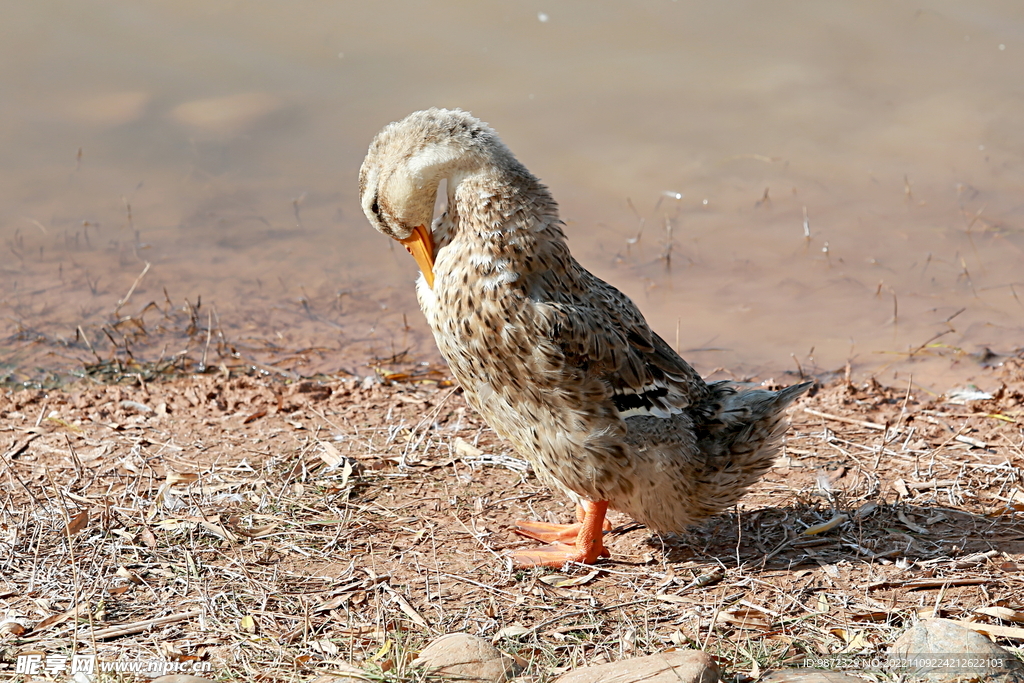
x=778, y=185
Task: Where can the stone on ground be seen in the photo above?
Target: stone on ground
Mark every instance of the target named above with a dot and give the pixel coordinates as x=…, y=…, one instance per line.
x=942, y=641
x=467, y=658
x=679, y=666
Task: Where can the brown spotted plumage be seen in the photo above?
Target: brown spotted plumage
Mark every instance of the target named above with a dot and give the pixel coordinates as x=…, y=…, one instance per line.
x=558, y=362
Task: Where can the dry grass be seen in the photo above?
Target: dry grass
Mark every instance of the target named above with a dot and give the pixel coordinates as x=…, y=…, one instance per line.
x=286, y=529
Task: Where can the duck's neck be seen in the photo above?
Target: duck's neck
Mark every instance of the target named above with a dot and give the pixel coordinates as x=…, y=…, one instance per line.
x=505, y=211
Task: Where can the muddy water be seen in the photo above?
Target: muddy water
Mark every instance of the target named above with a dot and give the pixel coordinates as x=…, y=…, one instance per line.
x=776, y=184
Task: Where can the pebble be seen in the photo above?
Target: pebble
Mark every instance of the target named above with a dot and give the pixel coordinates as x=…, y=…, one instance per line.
x=944, y=640
x=468, y=659
x=678, y=666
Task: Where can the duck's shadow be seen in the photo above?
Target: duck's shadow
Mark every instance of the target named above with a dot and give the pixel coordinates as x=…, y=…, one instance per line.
x=775, y=538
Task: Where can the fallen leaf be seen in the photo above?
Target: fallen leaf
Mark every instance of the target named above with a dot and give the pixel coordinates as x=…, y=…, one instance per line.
x=865, y=510
x=910, y=525
x=65, y=424
x=100, y=451
x=1004, y=613
x=920, y=584
x=993, y=630
x=170, y=480
x=466, y=449
x=247, y=624
x=173, y=478
x=334, y=603
x=55, y=619
x=562, y=630
x=874, y=616
x=331, y=455
x=126, y=573
x=346, y=472
x=563, y=581
x=826, y=526
x=513, y=631
x=363, y=632
x=147, y=538
x=13, y=628
x=217, y=530
x=678, y=599
x=406, y=608
x=256, y=531
x=77, y=523
x=325, y=646
x=744, y=618
x=859, y=643
x=970, y=441
x=384, y=649
x=255, y=416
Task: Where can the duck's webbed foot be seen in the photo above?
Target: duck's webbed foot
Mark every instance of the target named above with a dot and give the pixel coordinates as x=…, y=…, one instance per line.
x=580, y=542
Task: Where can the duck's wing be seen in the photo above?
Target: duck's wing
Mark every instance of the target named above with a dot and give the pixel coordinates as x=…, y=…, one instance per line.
x=599, y=332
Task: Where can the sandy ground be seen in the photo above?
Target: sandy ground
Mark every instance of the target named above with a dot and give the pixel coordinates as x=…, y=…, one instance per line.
x=282, y=527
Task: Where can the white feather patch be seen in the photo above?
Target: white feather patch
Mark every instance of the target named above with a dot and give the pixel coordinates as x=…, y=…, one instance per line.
x=649, y=412
x=650, y=400
x=426, y=296
x=479, y=258
x=504, y=277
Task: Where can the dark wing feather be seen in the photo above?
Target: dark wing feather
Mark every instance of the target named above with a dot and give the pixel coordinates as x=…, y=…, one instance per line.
x=602, y=334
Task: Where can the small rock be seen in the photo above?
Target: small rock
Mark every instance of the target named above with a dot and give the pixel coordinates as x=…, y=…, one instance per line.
x=314, y=390
x=809, y=676
x=679, y=666
x=467, y=658
x=136, y=406
x=946, y=643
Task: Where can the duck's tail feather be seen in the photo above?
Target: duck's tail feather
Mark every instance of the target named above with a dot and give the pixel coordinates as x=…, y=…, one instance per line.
x=741, y=437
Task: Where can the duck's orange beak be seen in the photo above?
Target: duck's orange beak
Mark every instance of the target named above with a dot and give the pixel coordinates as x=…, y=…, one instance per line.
x=421, y=245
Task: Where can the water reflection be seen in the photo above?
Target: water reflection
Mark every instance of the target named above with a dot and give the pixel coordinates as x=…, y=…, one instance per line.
x=848, y=175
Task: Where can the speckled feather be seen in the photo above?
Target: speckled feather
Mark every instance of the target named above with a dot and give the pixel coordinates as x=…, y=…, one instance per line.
x=559, y=362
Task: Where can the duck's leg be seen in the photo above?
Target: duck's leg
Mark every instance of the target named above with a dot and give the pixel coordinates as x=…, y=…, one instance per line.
x=580, y=542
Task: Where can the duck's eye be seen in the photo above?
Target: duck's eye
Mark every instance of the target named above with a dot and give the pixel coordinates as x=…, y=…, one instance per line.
x=375, y=208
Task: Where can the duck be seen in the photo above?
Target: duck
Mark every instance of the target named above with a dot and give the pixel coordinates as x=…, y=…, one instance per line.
x=558, y=362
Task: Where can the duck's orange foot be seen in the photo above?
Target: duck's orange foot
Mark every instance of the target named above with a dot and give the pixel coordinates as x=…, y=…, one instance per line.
x=558, y=533
x=549, y=533
x=579, y=542
x=556, y=555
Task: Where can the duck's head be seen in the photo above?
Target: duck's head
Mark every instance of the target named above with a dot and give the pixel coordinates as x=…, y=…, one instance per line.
x=405, y=164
